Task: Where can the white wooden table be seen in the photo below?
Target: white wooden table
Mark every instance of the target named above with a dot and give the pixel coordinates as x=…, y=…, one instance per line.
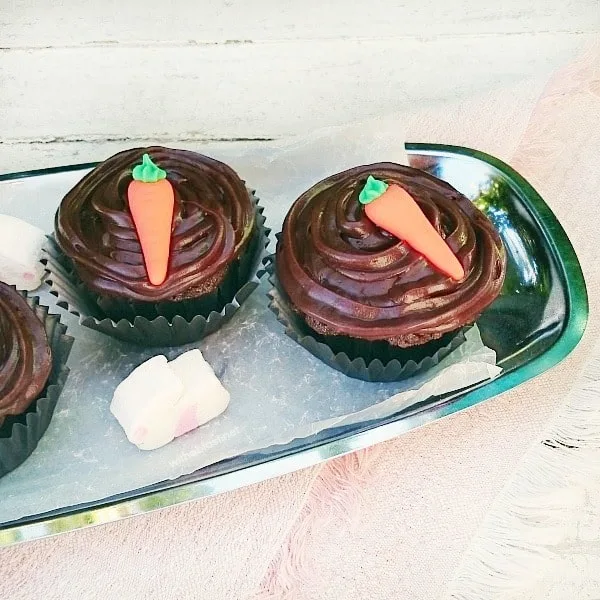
x=79, y=79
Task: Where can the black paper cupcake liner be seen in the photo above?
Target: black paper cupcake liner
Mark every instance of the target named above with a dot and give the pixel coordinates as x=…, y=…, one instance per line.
x=165, y=323
x=20, y=434
x=365, y=360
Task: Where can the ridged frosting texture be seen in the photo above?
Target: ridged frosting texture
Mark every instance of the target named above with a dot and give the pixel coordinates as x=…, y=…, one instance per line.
x=346, y=276
x=25, y=355
x=212, y=223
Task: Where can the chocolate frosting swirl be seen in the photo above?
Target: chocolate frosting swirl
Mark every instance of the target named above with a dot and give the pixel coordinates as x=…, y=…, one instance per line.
x=25, y=356
x=212, y=223
x=346, y=276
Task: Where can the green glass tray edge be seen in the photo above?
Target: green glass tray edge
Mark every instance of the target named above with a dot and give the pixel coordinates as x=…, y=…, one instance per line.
x=564, y=253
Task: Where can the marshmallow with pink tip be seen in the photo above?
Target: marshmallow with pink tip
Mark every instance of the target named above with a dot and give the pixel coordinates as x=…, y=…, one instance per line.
x=20, y=253
x=162, y=400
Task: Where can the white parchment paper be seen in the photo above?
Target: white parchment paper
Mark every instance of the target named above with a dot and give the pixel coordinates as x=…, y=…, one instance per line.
x=279, y=392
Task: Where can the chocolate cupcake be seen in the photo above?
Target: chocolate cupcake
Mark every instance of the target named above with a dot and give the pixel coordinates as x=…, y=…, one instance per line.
x=157, y=246
x=345, y=283
x=33, y=353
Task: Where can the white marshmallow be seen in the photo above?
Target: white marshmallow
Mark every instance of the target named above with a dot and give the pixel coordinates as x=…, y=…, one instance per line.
x=144, y=404
x=202, y=387
x=160, y=401
x=20, y=253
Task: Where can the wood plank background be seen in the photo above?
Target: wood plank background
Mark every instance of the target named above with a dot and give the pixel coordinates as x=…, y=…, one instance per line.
x=78, y=75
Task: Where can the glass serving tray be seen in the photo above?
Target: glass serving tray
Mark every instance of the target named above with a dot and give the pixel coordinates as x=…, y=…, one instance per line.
x=535, y=323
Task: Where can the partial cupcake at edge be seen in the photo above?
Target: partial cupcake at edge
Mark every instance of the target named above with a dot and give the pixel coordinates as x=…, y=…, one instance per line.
x=33, y=353
x=157, y=246
x=379, y=270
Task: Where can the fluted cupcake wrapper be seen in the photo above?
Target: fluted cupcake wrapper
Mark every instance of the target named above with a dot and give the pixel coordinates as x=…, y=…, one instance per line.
x=368, y=361
x=20, y=434
x=165, y=323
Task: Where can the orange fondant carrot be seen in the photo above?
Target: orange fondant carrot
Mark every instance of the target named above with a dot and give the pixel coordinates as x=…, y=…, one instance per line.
x=393, y=209
x=151, y=201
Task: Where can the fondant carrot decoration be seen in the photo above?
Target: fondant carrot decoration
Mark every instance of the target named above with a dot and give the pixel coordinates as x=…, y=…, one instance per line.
x=393, y=209
x=151, y=201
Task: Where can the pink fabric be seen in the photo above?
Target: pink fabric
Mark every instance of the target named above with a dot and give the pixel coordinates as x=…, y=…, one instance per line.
x=336, y=494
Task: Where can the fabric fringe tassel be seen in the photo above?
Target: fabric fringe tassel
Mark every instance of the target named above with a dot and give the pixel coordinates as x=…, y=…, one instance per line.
x=543, y=533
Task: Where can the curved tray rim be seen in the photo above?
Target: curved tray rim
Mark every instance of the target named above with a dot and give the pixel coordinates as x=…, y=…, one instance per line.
x=578, y=308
